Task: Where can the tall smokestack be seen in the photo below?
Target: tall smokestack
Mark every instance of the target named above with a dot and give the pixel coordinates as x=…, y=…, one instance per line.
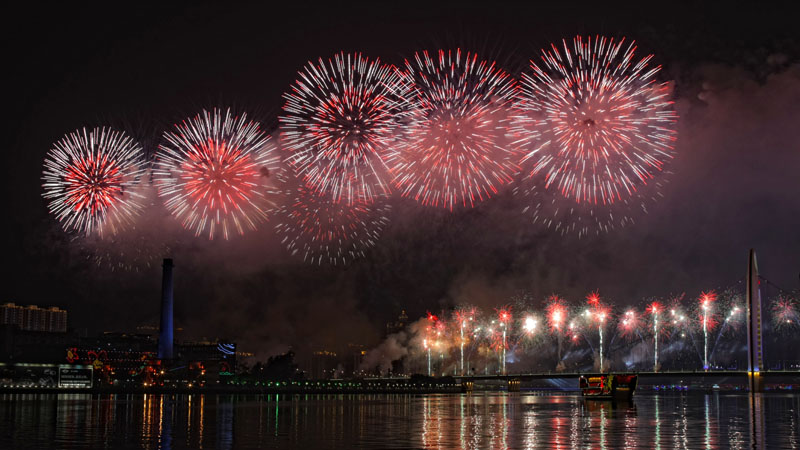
x=165, y=337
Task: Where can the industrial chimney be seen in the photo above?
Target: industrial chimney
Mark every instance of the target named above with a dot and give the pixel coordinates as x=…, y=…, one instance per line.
x=165, y=337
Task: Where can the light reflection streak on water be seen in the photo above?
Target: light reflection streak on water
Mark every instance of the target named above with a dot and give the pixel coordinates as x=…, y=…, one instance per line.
x=530, y=425
x=658, y=423
x=603, y=423
x=462, y=429
x=631, y=425
x=794, y=426
x=477, y=421
x=707, y=436
x=683, y=421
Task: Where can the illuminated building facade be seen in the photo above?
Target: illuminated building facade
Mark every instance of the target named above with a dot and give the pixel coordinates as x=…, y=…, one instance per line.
x=34, y=318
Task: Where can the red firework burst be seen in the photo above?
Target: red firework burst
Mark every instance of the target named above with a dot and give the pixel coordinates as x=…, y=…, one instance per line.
x=630, y=324
x=338, y=124
x=556, y=315
x=706, y=313
x=91, y=180
x=603, y=126
x=457, y=148
x=215, y=172
x=785, y=313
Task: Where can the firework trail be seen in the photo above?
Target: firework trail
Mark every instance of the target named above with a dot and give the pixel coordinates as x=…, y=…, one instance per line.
x=465, y=319
x=599, y=314
x=599, y=129
x=339, y=122
x=557, y=315
x=91, y=180
x=323, y=231
x=504, y=317
x=655, y=308
x=708, y=320
x=731, y=301
x=215, y=172
x=457, y=149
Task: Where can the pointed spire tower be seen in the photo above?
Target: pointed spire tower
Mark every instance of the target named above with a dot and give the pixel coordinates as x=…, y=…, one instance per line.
x=755, y=359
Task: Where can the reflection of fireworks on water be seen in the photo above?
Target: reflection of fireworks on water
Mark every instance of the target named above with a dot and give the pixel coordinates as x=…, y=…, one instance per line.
x=600, y=131
x=321, y=231
x=786, y=312
x=214, y=172
x=339, y=121
x=91, y=179
x=456, y=149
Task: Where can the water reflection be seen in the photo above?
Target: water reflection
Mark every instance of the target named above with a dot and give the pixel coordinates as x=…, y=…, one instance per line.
x=471, y=421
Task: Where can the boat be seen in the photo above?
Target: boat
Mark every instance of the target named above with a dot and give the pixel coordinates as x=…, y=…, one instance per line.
x=608, y=387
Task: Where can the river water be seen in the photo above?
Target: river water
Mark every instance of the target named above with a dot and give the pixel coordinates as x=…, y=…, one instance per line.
x=491, y=420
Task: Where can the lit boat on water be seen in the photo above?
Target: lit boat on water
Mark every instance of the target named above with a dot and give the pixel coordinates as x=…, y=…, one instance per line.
x=608, y=387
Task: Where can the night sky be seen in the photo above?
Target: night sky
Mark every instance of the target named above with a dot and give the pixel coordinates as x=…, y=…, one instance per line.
x=735, y=182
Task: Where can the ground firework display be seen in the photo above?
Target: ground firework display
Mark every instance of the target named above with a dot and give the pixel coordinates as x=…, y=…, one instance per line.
x=322, y=231
x=340, y=118
x=215, y=172
x=91, y=178
x=599, y=130
x=457, y=147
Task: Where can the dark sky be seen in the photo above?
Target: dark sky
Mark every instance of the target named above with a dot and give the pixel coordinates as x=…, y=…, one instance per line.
x=735, y=185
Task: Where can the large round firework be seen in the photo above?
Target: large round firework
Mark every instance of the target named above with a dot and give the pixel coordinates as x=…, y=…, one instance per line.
x=339, y=120
x=599, y=124
x=91, y=178
x=323, y=231
x=456, y=148
x=215, y=171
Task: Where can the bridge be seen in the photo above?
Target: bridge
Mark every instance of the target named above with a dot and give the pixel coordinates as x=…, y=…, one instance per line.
x=727, y=379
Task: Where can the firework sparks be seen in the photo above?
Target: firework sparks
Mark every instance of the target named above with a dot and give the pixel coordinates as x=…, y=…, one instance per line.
x=457, y=149
x=785, y=312
x=339, y=121
x=504, y=317
x=214, y=172
x=599, y=314
x=465, y=318
x=655, y=309
x=630, y=324
x=530, y=324
x=556, y=314
x=708, y=320
x=606, y=125
x=90, y=181
x=599, y=130
x=323, y=231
